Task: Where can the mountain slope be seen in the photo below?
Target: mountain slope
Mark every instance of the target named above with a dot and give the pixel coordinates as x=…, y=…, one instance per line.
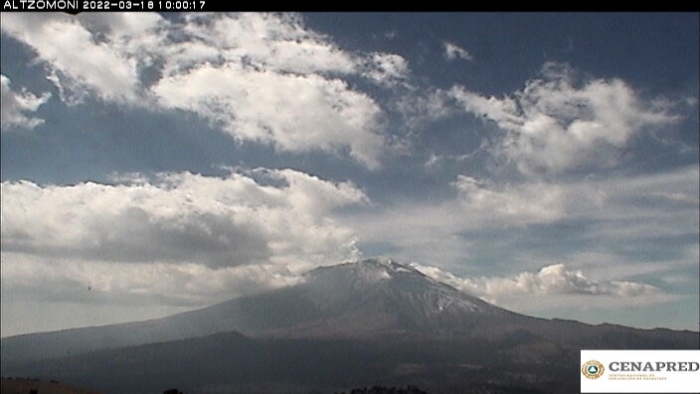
x=382, y=294
x=521, y=362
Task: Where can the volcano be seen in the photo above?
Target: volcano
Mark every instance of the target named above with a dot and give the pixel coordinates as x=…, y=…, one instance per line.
x=351, y=325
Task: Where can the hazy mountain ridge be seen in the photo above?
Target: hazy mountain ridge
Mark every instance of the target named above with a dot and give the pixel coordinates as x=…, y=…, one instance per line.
x=23, y=386
x=326, y=303
x=354, y=324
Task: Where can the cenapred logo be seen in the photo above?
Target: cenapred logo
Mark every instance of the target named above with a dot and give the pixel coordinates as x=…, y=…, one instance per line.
x=592, y=369
x=640, y=371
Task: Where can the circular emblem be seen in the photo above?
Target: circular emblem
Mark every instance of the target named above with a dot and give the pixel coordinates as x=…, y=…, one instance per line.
x=592, y=369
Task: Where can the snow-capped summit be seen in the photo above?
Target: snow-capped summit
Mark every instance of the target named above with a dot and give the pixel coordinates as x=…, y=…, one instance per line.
x=369, y=271
x=387, y=295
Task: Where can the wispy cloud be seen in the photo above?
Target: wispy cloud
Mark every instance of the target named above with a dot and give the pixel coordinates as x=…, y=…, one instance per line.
x=17, y=107
x=454, y=51
x=612, y=215
x=526, y=203
x=41, y=279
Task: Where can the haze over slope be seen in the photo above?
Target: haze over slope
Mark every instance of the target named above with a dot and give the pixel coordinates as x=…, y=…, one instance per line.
x=353, y=299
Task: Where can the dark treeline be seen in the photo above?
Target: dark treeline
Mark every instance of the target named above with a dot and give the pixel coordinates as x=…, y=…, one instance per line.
x=386, y=390
x=373, y=390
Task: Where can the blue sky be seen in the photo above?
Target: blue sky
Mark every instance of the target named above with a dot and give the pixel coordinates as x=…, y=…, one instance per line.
x=151, y=164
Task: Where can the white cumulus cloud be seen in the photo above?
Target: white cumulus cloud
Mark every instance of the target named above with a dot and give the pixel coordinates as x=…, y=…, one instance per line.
x=78, y=60
x=555, y=124
x=554, y=287
x=181, y=239
x=259, y=77
x=551, y=279
x=291, y=112
x=183, y=218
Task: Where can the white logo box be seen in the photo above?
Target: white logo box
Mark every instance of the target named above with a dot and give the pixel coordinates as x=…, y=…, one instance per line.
x=642, y=371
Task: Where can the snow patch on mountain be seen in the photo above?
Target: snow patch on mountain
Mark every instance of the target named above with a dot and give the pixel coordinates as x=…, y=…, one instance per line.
x=390, y=286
